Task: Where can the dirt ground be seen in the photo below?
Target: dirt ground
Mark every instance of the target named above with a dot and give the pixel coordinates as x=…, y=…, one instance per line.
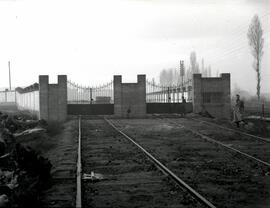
x=129, y=179
x=60, y=147
x=257, y=126
x=226, y=179
x=255, y=147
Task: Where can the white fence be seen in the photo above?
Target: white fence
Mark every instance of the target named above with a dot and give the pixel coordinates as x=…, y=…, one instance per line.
x=8, y=96
x=28, y=101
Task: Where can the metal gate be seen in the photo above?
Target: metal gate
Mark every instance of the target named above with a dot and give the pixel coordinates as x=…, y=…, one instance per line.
x=156, y=93
x=86, y=100
x=168, y=99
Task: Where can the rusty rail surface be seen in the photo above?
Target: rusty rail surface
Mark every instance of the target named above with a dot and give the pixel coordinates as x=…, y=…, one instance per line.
x=165, y=170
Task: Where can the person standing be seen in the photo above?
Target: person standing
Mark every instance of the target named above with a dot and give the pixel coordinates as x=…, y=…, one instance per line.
x=238, y=111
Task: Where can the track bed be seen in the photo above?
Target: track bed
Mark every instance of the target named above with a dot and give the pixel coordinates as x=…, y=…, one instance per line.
x=130, y=180
x=225, y=178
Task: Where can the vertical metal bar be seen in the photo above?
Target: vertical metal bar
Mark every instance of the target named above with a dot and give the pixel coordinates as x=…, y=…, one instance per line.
x=77, y=94
x=154, y=92
x=91, y=96
x=168, y=97
x=177, y=94
x=162, y=94
x=173, y=94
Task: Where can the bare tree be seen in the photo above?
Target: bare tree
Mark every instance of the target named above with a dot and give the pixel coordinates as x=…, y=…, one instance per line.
x=256, y=41
x=197, y=68
x=169, y=77
x=217, y=73
x=203, y=69
x=163, y=77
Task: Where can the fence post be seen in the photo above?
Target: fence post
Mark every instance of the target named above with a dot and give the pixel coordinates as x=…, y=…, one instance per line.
x=168, y=95
x=91, y=99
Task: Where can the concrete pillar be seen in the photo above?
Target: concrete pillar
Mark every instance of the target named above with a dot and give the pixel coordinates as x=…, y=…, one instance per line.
x=43, y=97
x=197, y=92
x=62, y=97
x=117, y=92
x=226, y=79
x=53, y=99
x=141, y=79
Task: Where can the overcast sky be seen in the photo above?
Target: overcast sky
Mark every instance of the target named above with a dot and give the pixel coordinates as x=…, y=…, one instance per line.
x=90, y=41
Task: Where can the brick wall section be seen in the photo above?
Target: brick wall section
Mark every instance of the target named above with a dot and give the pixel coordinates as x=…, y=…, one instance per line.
x=53, y=98
x=129, y=96
x=213, y=94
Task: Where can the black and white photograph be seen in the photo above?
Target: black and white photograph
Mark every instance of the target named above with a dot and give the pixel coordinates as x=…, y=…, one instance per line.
x=134, y=103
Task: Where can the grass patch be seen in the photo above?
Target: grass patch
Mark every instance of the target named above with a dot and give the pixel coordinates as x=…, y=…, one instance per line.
x=260, y=127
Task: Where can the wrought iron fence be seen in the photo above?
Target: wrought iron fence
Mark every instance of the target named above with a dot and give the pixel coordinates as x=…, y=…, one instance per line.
x=78, y=94
x=257, y=109
x=156, y=93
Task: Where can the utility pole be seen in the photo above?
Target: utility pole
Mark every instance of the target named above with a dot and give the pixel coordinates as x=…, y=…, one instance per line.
x=9, y=76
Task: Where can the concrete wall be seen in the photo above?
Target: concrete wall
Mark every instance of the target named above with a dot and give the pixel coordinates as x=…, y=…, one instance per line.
x=129, y=96
x=212, y=94
x=28, y=101
x=90, y=109
x=169, y=108
x=53, y=98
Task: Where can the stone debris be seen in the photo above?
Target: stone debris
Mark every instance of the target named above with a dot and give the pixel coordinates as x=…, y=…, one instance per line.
x=36, y=130
x=93, y=177
x=4, y=200
x=23, y=171
x=2, y=146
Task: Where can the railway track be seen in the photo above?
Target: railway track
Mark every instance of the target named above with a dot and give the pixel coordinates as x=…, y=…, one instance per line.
x=257, y=150
x=130, y=176
x=225, y=178
x=232, y=130
x=79, y=168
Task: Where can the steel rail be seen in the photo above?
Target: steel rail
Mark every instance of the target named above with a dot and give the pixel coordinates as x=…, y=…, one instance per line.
x=207, y=138
x=79, y=170
x=179, y=181
x=233, y=130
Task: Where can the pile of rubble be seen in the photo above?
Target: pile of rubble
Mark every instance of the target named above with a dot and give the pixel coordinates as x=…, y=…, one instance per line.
x=23, y=172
